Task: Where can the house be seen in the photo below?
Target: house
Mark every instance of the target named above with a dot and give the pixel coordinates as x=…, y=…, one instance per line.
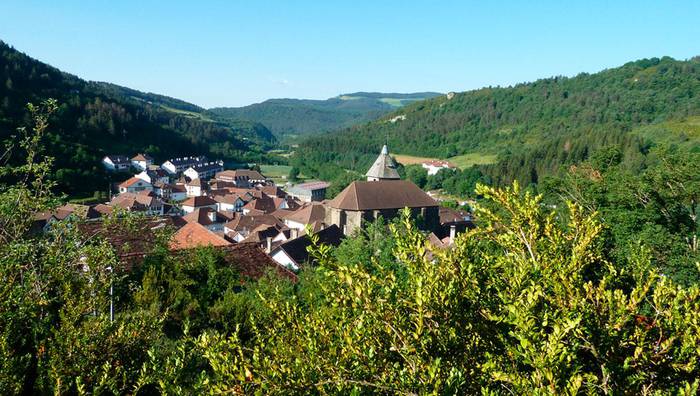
x=193, y=203
x=196, y=188
x=383, y=168
x=309, y=192
x=177, y=165
x=454, y=221
x=435, y=166
x=116, y=162
x=241, y=225
x=178, y=192
x=195, y=235
x=144, y=201
x=367, y=200
x=241, y=177
x=209, y=218
x=154, y=176
x=257, y=206
x=134, y=185
x=309, y=214
x=142, y=161
x=228, y=202
x=293, y=254
x=272, y=190
x=204, y=170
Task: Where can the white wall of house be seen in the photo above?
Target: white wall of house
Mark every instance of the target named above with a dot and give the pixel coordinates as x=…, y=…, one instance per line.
x=294, y=224
x=193, y=191
x=281, y=257
x=140, y=165
x=190, y=209
x=109, y=165
x=169, y=167
x=191, y=173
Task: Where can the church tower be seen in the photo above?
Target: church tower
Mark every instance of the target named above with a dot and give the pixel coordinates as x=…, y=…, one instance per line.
x=383, y=168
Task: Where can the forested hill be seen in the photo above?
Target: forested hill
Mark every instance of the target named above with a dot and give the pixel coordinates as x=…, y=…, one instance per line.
x=291, y=117
x=532, y=129
x=97, y=118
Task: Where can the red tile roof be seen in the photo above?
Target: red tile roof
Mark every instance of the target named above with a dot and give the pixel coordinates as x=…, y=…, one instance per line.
x=131, y=181
x=193, y=235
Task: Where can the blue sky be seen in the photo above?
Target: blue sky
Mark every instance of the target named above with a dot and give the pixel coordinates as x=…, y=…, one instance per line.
x=233, y=53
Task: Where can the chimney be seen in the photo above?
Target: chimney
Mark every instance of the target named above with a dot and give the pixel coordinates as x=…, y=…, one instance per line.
x=294, y=233
x=453, y=232
x=268, y=248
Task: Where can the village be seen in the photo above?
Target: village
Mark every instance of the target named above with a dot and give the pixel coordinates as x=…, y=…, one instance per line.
x=249, y=216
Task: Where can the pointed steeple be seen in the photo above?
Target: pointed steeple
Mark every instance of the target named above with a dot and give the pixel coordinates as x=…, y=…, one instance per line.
x=383, y=168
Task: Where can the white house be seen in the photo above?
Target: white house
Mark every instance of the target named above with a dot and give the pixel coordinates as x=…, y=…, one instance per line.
x=241, y=177
x=154, y=176
x=204, y=170
x=434, y=166
x=229, y=202
x=116, y=162
x=142, y=161
x=195, y=188
x=193, y=203
x=134, y=185
x=177, y=165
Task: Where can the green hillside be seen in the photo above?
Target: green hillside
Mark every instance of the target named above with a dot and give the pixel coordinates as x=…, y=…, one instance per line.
x=293, y=117
x=97, y=118
x=531, y=129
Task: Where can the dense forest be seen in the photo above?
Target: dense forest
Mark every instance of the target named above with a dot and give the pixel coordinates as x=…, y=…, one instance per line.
x=288, y=118
x=95, y=119
x=542, y=297
x=531, y=129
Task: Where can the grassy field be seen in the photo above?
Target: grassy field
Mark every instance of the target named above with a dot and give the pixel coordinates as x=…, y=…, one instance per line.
x=684, y=132
x=460, y=161
x=467, y=160
x=410, y=159
x=279, y=173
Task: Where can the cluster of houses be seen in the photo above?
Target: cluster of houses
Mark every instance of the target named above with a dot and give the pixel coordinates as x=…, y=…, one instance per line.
x=228, y=209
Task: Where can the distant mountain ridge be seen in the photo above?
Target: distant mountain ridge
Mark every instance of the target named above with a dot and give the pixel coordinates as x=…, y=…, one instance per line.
x=293, y=117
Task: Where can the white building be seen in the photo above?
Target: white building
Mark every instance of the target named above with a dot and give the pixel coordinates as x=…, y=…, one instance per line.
x=116, y=162
x=309, y=192
x=134, y=185
x=142, y=161
x=435, y=166
x=154, y=176
x=204, y=170
x=177, y=165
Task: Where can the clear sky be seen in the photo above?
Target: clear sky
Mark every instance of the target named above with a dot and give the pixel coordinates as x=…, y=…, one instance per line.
x=233, y=53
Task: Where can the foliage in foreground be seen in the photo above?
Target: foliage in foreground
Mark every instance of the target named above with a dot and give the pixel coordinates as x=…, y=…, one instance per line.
x=521, y=305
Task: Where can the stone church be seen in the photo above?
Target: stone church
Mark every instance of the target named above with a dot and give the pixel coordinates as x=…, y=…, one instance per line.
x=383, y=194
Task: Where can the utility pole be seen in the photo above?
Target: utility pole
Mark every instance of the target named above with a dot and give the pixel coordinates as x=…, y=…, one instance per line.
x=111, y=292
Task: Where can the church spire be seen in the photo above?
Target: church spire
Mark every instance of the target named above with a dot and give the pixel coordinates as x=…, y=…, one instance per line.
x=383, y=168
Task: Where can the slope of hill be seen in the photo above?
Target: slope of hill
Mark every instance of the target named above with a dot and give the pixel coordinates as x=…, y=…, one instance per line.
x=291, y=117
x=531, y=129
x=97, y=118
